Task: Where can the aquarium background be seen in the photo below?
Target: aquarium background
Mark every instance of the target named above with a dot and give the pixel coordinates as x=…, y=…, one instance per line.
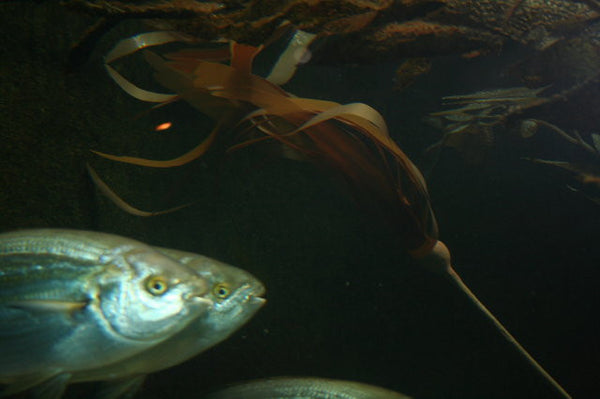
x=344, y=299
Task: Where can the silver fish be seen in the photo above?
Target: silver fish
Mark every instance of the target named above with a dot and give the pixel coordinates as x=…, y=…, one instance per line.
x=236, y=297
x=304, y=388
x=85, y=306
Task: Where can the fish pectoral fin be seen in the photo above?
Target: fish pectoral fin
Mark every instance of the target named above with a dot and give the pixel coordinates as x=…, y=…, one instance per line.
x=43, y=306
x=29, y=335
x=43, y=386
x=121, y=389
x=52, y=388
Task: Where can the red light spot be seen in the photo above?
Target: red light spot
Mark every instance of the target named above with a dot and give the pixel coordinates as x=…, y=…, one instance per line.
x=163, y=126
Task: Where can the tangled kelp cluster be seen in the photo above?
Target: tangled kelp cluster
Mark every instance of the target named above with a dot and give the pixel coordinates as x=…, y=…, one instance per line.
x=350, y=139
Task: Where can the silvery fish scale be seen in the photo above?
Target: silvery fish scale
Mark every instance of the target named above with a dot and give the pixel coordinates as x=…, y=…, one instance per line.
x=303, y=388
x=85, y=306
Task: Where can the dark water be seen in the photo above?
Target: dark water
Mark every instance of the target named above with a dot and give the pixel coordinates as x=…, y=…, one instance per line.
x=345, y=301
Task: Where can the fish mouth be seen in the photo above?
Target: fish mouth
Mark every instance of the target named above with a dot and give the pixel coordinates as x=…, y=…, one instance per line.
x=249, y=294
x=259, y=291
x=252, y=292
x=260, y=301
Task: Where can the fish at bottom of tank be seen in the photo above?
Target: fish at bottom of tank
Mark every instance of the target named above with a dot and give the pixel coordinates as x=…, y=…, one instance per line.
x=87, y=306
x=303, y=388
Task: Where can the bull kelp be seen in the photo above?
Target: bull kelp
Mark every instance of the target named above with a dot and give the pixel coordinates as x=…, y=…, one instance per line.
x=351, y=141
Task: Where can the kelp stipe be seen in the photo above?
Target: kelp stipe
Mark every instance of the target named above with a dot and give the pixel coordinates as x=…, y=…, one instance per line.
x=438, y=259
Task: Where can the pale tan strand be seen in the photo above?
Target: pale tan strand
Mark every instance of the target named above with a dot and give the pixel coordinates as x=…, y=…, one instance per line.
x=188, y=157
x=134, y=43
x=137, y=92
x=358, y=113
x=364, y=117
x=120, y=203
x=295, y=54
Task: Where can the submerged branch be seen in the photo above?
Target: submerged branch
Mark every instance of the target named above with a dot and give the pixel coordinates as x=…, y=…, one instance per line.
x=172, y=9
x=577, y=140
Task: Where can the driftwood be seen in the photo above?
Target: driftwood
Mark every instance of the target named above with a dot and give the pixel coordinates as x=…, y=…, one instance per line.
x=362, y=30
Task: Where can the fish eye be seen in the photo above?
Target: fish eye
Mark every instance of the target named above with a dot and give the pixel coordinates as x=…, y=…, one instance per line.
x=221, y=290
x=157, y=285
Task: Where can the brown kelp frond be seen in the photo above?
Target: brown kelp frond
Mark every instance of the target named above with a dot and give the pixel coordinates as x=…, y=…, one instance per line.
x=358, y=116
x=170, y=75
x=242, y=56
x=352, y=141
x=217, y=54
x=131, y=45
x=200, y=75
x=190, y=156
x=120, y=203
x=216, y=89
x=177, y=77
x=238, y=55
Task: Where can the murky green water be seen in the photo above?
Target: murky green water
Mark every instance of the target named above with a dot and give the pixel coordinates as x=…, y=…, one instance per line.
x=344, y=300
